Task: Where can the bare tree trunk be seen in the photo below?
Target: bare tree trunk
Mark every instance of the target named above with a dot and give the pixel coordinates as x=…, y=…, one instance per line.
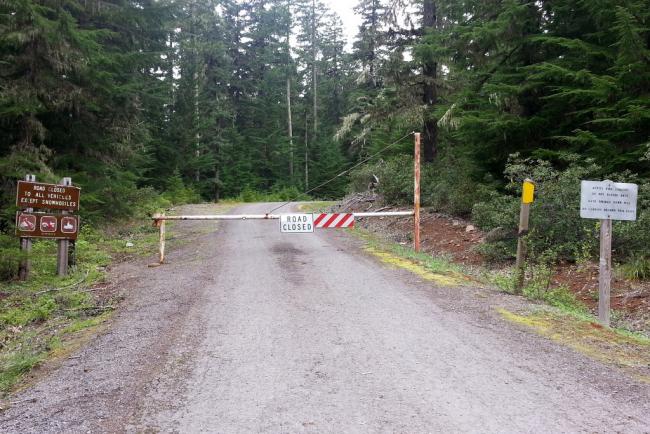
x=372, y=47
x=313, y=65
x=197, y=120
x=430, y=89
x=289, y=123
x=290, y=127
x=306, y=151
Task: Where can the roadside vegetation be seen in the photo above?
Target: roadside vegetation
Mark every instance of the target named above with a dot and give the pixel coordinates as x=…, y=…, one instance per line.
x=45, y=315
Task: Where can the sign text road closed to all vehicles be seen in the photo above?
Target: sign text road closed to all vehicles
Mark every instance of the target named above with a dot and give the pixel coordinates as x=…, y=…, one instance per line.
x=47, y=196
x=297, y=223
x=607, y=200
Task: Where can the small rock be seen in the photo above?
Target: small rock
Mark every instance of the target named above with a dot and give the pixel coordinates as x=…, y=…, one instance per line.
x=455, y=223
x=129, y=244
x=470, y=228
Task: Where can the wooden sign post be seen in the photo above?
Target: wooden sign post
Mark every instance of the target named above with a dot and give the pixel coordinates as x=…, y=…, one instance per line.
x=527, y=197
x=605, y=271
x=416, y=194
x=64, y=245
x=607, y=201
x=25, y=265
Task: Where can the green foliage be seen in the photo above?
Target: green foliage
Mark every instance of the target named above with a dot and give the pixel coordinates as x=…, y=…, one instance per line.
x=556, y=230
x=277, y=194
x=10, y=257
x=445, y=186
x=496, y=211
x=13, y=365
x=177, y=193
x=637, y=267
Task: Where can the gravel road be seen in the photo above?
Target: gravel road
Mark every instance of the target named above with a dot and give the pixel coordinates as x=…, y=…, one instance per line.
x=249, y=330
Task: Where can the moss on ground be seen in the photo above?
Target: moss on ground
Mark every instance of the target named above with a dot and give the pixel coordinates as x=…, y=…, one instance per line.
x=627, y=351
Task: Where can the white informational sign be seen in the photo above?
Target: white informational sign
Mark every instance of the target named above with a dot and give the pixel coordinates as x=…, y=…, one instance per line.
x=297, y=223
x=607, y=200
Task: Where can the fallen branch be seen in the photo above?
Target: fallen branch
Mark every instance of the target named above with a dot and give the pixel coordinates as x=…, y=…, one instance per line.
x=72, y=285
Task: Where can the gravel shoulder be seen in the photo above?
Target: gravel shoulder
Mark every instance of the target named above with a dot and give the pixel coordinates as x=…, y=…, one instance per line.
x=248, y=330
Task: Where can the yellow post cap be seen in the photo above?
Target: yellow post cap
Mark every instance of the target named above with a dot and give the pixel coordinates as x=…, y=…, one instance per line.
x=528, y=191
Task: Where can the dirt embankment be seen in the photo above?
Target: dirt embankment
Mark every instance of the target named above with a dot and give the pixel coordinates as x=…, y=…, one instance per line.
x=458, y=240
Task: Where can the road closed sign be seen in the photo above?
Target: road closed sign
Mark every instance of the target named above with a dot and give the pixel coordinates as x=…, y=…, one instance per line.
x=296, y=223
x=607, y=200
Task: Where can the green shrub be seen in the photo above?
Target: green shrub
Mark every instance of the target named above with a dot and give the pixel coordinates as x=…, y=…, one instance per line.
x=277, y=194
x=631, y=240
x=636, y=268
x=496, y=211
x=448, y=185
x=248, y=195
x=497, y=251
x=178, y=193
x=556, y=229
x=557, y=232
x=10, y=257
x=284, y=194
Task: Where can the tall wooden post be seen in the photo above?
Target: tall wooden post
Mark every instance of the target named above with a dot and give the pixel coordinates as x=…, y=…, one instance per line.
x=527, y=197
x=605, y=269
x=416, y=194
x=26, y=245
x=63, y=245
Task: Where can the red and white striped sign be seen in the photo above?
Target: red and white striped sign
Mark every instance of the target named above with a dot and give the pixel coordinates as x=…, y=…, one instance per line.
x=336, y=220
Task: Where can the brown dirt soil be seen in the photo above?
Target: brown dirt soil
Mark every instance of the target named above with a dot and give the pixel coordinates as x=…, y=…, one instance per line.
x=457, y=240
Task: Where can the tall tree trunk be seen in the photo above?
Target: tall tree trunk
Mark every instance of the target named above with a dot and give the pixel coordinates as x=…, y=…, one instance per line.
x=290, y=127
x=306, y=150
x=430, y=90
x=289, y=123
x=313, y=65
x=197, y=120
x=372, y=48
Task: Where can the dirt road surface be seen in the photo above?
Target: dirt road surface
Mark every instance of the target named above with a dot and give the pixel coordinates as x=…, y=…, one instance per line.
x=250, y=330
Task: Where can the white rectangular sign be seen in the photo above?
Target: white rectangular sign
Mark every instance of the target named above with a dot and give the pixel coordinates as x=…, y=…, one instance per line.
x=297, y=223
x=608, y=200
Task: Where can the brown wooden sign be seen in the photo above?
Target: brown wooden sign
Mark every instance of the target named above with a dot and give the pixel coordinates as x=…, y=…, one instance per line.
x=47, y=196
x=55, y=226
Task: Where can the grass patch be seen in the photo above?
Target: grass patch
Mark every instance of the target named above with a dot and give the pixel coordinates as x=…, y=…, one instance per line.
x=537, y=287
x=628, y=351
x=636, y=268
x=316, y=206
x=40, y=316
x=436, y=269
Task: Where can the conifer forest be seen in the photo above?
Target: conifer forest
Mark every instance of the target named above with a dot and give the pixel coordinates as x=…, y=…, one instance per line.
x=217, y=99
x=215, y=216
